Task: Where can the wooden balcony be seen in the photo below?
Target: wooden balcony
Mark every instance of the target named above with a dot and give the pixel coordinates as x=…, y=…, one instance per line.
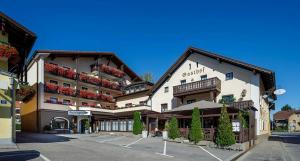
x=212, y=84
x=242, y=105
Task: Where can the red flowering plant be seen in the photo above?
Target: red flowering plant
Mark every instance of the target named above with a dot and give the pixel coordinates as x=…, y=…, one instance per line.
x=87, y=94
x=61, y=71
x=50, y=87
x=67, y=91
x=104, y=68
x=115, y=85
x=8, y=51
x=93, y=80
x=117, y=72
x=51, y=68
x=83, y=77
x=106, y=83
x=107, y=98
x=69, y=73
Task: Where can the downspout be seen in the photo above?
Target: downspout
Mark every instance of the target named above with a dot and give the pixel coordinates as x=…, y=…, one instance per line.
x=37, y=97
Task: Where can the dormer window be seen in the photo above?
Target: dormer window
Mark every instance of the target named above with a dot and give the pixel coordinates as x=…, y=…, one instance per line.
x=229, y=76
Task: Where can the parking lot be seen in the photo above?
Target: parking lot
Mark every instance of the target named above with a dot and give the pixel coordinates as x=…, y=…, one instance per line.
x=111, y=148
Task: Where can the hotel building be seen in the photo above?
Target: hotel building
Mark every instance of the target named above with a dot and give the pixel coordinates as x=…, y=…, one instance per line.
x=76, y=86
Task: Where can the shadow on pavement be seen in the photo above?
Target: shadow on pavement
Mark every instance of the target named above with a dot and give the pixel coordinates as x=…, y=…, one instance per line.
x=291, y=139
x=19, y=155
x=40, y=138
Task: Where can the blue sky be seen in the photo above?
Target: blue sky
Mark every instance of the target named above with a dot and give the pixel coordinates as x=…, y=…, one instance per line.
x=150, y=35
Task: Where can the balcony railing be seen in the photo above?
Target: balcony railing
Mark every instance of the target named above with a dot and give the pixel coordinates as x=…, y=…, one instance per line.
x=242, y=104
x=199, y=86
x=53, y=88
x=60, y=71
x=83, y=77
x=107, y=69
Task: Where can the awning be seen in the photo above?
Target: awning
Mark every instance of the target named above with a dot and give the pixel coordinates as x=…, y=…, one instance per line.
x=202, y=105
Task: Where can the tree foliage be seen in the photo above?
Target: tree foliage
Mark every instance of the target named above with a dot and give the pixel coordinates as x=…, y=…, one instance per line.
x=196, y=132
x=173, y=129
x=241, y=117
x=147, y=77
x=225, y=135
x=137, y=123
x=286, y=107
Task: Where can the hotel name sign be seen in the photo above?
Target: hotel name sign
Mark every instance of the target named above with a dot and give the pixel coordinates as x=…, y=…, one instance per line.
x=194, y=72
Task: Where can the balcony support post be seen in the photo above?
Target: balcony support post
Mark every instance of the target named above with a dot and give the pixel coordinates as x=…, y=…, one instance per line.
x=212, y=96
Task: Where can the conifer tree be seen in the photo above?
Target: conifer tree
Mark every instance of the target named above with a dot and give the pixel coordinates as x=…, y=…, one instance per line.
x=196, y=132
x=225, y=135
x=173, y=129
x=137, y=123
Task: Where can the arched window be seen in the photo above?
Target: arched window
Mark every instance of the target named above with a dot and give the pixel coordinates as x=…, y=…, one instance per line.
x=60, y=123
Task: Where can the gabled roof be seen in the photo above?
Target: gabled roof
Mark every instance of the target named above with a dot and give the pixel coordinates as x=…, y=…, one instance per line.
x=282, y=115
x=114, y=58
x=21, y=34
x=268, y=76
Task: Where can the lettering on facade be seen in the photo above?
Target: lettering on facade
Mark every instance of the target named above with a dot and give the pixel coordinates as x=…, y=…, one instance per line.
x=79, y=113
x=195, y=72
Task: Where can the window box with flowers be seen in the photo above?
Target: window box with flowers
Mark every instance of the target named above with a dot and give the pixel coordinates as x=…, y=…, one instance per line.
x=93, y=80
x=87, y=94
x=69, y=73
x=67, y=91
x=51, y=88
x=7, y=51
x=51, y=68
x=25, y=93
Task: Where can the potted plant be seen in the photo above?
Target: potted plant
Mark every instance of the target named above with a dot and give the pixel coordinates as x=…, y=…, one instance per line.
x=144, y=132
x=86, y=127
x=165, y=131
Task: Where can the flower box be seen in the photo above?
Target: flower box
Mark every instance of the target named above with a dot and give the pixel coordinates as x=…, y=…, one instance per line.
x=61, y=71
x=67, y=91
x=106, y=83
x=51, y=68
x=87, y=94
x=69, y=73
x=115, y=85
x=50, y=87
x=93, y=80
x=8, y=51
x=83, y=77
x=111, y=70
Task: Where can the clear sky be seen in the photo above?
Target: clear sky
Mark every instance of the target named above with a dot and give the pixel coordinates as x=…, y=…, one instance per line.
x=150, y=35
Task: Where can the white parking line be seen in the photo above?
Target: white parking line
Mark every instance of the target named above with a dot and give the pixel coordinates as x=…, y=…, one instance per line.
x=165, y=151
x=210, y=153
x=45, y=158
x=127, y=146
x=113, y=139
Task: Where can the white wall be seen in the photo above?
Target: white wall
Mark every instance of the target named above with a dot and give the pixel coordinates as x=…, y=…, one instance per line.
x=134, y=101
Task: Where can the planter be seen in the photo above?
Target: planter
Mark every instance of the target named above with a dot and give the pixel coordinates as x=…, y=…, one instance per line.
x=165, y=135
x=144, y=134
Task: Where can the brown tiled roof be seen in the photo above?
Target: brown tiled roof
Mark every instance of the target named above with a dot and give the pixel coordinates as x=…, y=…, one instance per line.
x=297, y=111
x=282, y=115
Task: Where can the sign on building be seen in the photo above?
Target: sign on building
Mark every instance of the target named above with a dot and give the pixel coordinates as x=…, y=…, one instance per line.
x=79, y=113
x=236, y=126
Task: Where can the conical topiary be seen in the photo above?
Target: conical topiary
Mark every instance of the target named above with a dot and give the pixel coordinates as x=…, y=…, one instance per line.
x=173, y=129
x=137, y=123
x=225, y=135
x=196, y=132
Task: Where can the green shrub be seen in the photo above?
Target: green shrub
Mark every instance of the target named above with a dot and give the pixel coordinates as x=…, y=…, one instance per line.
x=173, y=129
x=137, y=123
x=196, y=132
x=225, y=135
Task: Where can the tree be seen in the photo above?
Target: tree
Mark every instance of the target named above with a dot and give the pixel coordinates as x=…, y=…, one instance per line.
x=147, y=77
x=225, y=136
x=196, y=132
x=241, y=117
x=173, y=129
x=286, y=107
x=137, y=123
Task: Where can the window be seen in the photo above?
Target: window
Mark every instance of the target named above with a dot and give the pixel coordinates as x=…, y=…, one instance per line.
x=53, y=82
x=228, y=99
x=84, y=88
x=53, y=99
x=137, y=88
x=229, y=76
x=197, y=64
x=84, y=104
x=128, y=105
x=164, y=107
x=190, y=65
x=67, y=85
x=203, y=77
x=143, y=102
x=66, y=102
x=183, y=82
x=66, y=67
x=166, y=89
x=190, y=101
